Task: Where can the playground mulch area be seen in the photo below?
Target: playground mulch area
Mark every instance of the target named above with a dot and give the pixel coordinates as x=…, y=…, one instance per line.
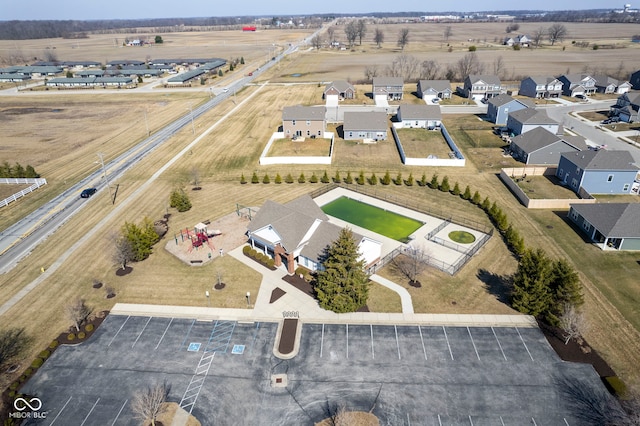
x=233, y=229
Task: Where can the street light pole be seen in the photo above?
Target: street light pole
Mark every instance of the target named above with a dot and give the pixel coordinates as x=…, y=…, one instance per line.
x=248, y=299
x=206, y=293
x=104, y=171
x=146, y=122
x=193, y=128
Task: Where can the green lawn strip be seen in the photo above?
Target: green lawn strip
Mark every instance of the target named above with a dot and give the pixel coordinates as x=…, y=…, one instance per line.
x=373, y=218
x=382, y=299
x=462, y=237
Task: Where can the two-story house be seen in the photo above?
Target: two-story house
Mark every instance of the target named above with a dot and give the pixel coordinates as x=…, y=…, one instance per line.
x=527, y=119
x=303, y=121
x=540, y=146
x=541, y=87
x=608, y=85
x=634, y=80
x=627, y=107
x=389, y=87
x=598, y=172
x=499, y=107
x=479, y=87
x=577, y=84
x=520, y=40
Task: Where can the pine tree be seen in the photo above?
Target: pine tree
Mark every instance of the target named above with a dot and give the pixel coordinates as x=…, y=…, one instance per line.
x=434, y=182
x=302, y=179
x=342, y=285
x=373, y=180
x=255, y=178
x=360, y=179
x=466, y=195
x=409, y=181
x=486, y=204
x=278, y=178
x=565, y=287
x=288, y=178
x=476, y=198
x=444, y=186
x=266, y=178
x=386, y=179
x=243, y=179
x=180, y=200
x=336, y=178
x=141, y=238
x=423, y=180
x=456, y=189
x=348, y=179
x=325, y=177
x=531, y=293
x=398, y=179
x=313, y=178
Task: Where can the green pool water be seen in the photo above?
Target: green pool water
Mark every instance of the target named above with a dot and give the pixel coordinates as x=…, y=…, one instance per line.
x=373, y=218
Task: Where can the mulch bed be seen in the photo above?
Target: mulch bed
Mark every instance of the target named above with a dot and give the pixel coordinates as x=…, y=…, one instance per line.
x=300, y=283
x=288, y=336
x=276, y=294
x=576, y=350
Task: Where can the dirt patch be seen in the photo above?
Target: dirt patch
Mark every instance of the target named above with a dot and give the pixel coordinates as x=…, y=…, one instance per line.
x=232, y=235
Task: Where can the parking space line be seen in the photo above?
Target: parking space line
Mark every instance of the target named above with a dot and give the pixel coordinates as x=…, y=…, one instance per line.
x=186, y=336
x=439, y=421
x=321, y=340
x=502, y=421
x=447, y=339
x=525, y=345
x=470, y=421
x=119, y=412
x=141, y=331
x=373, y=354
x=397, y=342
x=163, y=334
x=473, y=343
x=61, y=410
x=347, y=340
x=118, y=332
x=565, y=421
x=499, y=345
x=534, y=421
x=90, y=411
x=255, y=335
x=422, y=340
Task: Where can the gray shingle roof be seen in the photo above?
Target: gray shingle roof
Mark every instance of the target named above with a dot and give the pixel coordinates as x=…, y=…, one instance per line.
x=387, y=81
x=614, y=220
x=340, y=85
x=540, y=137
x=503, y=99
x=531, y=116
x=298, y=112
x=602, y=160
x=438, y=85
x=491, y=79
x=420, y=112
x=371, y=121
x=324, y=236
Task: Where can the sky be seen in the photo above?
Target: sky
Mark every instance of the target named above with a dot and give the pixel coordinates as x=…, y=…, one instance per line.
x=127, y=9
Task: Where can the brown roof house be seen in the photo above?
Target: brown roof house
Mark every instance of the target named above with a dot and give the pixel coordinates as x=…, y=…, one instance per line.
x=298, y=232
x=303, y=121
x=369, y=126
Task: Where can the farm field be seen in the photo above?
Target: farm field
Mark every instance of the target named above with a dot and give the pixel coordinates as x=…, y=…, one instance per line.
x=234, y=148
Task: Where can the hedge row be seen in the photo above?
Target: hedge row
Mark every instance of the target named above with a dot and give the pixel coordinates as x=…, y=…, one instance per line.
x=259, y=256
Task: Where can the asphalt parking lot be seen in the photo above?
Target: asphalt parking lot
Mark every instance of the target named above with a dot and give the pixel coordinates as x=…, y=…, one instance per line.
x=408, y=375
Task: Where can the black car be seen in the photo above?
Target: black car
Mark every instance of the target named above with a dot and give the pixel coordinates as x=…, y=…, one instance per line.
x=86, y=193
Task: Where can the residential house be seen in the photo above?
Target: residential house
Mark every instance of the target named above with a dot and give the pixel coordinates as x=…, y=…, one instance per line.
x=422, y=116
x=627, y=107
x=430, y=89
x=14, y=77
x=540, y=146
x=612, y=226
x=388, y=87
x=298, y=233
x=365, y=125
x=303, y=121
x=608, y=85
x=499, y=107
x=481, y=86
x=634, y=79
x=541, y=87
x=577, y=84
x=598, y=172
x=526, y=119
x=341, y=89
x=520, y=40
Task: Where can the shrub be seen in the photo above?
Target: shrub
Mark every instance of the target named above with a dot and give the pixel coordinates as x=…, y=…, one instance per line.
x=289, y=178
x=300, y=271
x=246, y=249
x=373, y=180
x=348, y=179
x=37, y=363
x=595, y=47
x=325, y=177
x=271, y=263
x=82, y=335
x=409, y=181
x=398, y=180
x=423, y=180
x=434, y=182
x=28, y=371
x=71, y=336
x=11, y=394
x=44, y=354
x=456, y=189
x=14, y=385
x=516, y=47
x=336, y=178
x=302, y=179
x=386, y=180
x=616, y=386
x=266, y=178
x=88, y=328
x=314, y=178
x=180, y=200
x=278, y=178
x=54, y=344
x=255, y=178
x=472, y=48
x=444, y=185
x=360, y=179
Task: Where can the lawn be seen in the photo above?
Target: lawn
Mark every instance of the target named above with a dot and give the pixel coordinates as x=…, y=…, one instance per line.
x=7, y=190
x=420, y=143
x=317, y=147
x=545, y=187
x=373, y=218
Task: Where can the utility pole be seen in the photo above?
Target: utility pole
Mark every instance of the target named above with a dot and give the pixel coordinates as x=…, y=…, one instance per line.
x=193, y=128
x=146, y=122
x=106, y=178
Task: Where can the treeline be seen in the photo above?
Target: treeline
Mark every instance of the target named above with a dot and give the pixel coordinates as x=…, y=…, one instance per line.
x=17, y=171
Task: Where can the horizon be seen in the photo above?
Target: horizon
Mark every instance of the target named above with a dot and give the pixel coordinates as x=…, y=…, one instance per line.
x=40, y=10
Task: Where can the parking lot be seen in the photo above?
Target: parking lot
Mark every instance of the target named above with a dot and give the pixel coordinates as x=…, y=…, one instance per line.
x=222, y=372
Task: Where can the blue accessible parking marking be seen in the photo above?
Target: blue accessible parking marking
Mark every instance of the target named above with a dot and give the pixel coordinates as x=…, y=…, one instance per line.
x=237, y=349
x=193, y=347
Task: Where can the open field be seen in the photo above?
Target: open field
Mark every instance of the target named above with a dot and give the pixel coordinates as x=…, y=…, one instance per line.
x=309, y=147
x=7, y=190
x=546, y=187
x=611, y=291
x=420, y=143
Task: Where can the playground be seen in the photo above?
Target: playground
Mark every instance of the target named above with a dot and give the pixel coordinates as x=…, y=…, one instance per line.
x=205, y=241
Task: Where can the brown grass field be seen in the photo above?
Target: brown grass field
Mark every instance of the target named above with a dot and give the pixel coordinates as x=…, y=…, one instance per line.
x=420, y=143
x=309, y=147
x=65, y=150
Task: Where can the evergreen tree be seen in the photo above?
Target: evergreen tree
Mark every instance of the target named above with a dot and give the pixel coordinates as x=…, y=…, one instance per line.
x=531, y=293
x=423, y=180
x=220, y=73
x=342, y=285
x=476, y=198
x=278, y=178
x=141, y=238
x=266, y=178
x=410, y=180
x=255, y=178
x=434, y=181
x=18, y=171
x=373, y=180
x=5, y=170
x=493, y=211
x=386, y=179
x=444, y=185
x=30, y=172
x=337, y=178
x=456, y=189
x=360, y=179
x=398, y=179
x=242, y=60
x=348, y=179
x=180, y=200
x=243, y=180
x=288, y=178
x=486, y=204
x=565, y=287
x=466, y=195
x=302, y=179
x=325, y=177
x=313, y=178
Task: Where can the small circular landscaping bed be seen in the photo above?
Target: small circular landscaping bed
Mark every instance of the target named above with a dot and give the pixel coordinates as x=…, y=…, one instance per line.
x=462, y=237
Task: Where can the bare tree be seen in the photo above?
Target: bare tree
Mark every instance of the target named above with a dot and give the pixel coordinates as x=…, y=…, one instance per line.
x=512, y=27
x=371, y=71
x=148, y=403
x=13, y=343
x=50, y=55
x=556, y=32
x=429, y=70
x=571, y=322
x=122, y=250
x=78, y=312
x=537, y=36
x=403, y=38
x=404, y=66
x=331, y=34
x=469, y=64
x=499, y=67
x=361, y=27
x=447, y=33
x=412, y=263
x=351, y=31
x=316, y=42
x=378, y=37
